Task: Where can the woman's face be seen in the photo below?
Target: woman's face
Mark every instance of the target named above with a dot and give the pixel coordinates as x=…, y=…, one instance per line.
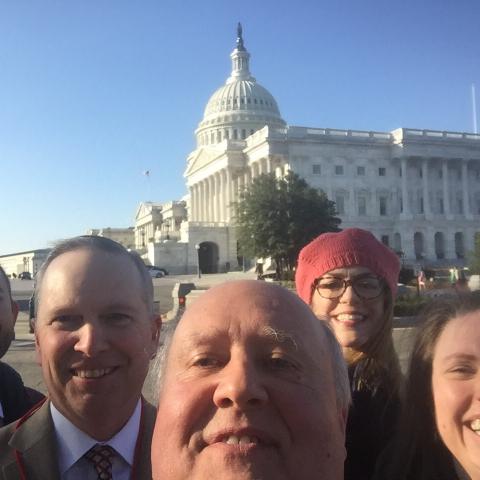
x=456, y=390
x=354, y=319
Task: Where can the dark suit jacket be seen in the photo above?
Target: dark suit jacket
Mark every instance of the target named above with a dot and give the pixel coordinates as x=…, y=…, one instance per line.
x=35, y=441
x=16, y=399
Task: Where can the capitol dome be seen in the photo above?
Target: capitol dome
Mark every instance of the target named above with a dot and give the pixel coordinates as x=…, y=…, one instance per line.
x=240, y=107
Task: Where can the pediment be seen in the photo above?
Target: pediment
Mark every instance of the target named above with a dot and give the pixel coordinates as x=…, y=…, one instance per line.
x=145, y=208
x=200, y=158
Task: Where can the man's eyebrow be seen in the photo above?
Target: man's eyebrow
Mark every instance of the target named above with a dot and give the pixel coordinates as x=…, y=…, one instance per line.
x=281, y=336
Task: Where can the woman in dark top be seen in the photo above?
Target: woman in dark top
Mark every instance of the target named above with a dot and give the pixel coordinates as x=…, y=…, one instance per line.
x=439, y=429
x=350, y=280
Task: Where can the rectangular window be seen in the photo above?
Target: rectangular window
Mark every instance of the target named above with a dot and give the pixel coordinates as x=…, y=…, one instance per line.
x=385, y=240
x=316, y=169
x=383, y=206
x=361, y=171
x=400, y=172
x=340, y=204
x=338, y=169
x=460, y=205
x=420, y=172
x=421, y=205
x=362, y=206
x=440, y=206
x=382, y=171
x=440, y=173
x=401, y=205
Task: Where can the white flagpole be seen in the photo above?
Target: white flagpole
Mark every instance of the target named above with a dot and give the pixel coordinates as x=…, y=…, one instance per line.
x=474, y=107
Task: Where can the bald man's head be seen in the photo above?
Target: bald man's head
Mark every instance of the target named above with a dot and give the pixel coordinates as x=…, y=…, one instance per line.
x=249, y=390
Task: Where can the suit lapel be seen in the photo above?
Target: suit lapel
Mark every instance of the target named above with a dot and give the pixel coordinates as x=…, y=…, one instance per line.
x=144, y=468
x=35, y=441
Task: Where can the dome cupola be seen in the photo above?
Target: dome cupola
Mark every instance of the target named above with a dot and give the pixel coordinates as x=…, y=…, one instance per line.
x=240, y=107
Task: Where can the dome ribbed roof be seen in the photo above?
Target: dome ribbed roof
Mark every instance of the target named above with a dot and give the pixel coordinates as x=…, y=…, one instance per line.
x=242, y=95
x=239, y=105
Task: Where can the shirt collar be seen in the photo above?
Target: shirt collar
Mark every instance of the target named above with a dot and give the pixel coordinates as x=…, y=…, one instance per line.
x=73, y=443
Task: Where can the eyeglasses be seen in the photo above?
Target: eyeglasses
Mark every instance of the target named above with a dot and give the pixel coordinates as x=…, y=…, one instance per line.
x=367, y=288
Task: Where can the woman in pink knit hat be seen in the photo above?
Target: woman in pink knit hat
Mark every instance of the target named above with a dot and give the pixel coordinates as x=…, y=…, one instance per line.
x=350, y=280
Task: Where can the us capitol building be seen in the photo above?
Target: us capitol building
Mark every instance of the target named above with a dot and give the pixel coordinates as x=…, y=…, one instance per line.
x=418, y=191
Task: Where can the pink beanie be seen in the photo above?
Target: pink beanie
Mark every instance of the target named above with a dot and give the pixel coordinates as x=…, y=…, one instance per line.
x=349, y=248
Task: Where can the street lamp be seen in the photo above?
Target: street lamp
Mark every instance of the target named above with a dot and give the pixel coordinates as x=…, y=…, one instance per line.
x=197, y=248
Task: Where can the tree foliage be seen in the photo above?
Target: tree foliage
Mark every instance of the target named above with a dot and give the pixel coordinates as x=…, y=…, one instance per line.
x=276, y=217
x=474, y=257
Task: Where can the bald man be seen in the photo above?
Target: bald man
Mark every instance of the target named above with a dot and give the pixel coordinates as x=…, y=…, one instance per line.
x=254, y=387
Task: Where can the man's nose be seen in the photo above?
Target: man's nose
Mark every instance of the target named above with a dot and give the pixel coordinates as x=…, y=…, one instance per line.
x=91, y=339
x=240, y=385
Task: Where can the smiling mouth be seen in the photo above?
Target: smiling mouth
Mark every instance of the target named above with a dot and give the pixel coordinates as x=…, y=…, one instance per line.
x=92, y=374
x=350, y=317
x=239, y=440
x=475, y=426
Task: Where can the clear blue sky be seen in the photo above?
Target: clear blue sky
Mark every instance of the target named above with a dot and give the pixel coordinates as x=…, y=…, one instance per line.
x=94, y=92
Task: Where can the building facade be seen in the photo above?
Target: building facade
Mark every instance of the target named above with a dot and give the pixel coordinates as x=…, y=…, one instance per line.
x=124, y=236
x=418, y=191
x=29, y=261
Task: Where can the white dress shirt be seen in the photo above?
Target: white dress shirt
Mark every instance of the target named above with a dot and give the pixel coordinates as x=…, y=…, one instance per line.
x=73, y=443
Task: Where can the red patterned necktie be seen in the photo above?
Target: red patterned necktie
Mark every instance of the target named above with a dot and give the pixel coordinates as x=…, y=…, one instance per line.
x=101, y=458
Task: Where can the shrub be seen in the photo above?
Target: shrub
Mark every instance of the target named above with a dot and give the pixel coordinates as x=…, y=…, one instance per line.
x=409, y=306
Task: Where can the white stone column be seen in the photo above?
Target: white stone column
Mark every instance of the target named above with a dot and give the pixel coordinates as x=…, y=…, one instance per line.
x=223, y=196
x=426, y=198
x=197, y=202
x=192, y=203
x=211, y=195
x=200, y=200
x=351, y=212
x=466, y=193
x=446, y=190
x=217, y=197
x=229, y=194
x=206, y=200
x=405, y=202
x=260, y=167
x=278, y=171
x=250, y=173
x=269, y=164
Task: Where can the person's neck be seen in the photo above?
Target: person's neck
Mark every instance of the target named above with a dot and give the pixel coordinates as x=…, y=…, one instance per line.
x=100, y=426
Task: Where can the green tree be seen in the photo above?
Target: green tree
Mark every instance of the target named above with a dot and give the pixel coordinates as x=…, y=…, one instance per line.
x=276, y=217
x=474, y=257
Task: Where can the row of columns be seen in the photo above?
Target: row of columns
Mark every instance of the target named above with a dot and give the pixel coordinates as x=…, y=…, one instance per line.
x=211, y=199
x=428, y=241
x=447, y=210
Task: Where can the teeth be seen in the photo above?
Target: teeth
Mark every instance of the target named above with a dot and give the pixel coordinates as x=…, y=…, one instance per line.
x=93, y=373
x=232, y=440
x=349, y=317
x=475, y=425
x=243, y=440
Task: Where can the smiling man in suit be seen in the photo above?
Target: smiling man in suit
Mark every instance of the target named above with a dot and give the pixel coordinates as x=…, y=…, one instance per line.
x=95, y=334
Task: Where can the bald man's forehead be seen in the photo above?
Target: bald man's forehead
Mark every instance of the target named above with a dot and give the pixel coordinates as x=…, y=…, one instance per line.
x=255, y=310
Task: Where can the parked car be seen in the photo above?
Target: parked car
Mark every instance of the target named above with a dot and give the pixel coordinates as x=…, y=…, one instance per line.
x=151, y=268
x=25, y=276
x=155, y=272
